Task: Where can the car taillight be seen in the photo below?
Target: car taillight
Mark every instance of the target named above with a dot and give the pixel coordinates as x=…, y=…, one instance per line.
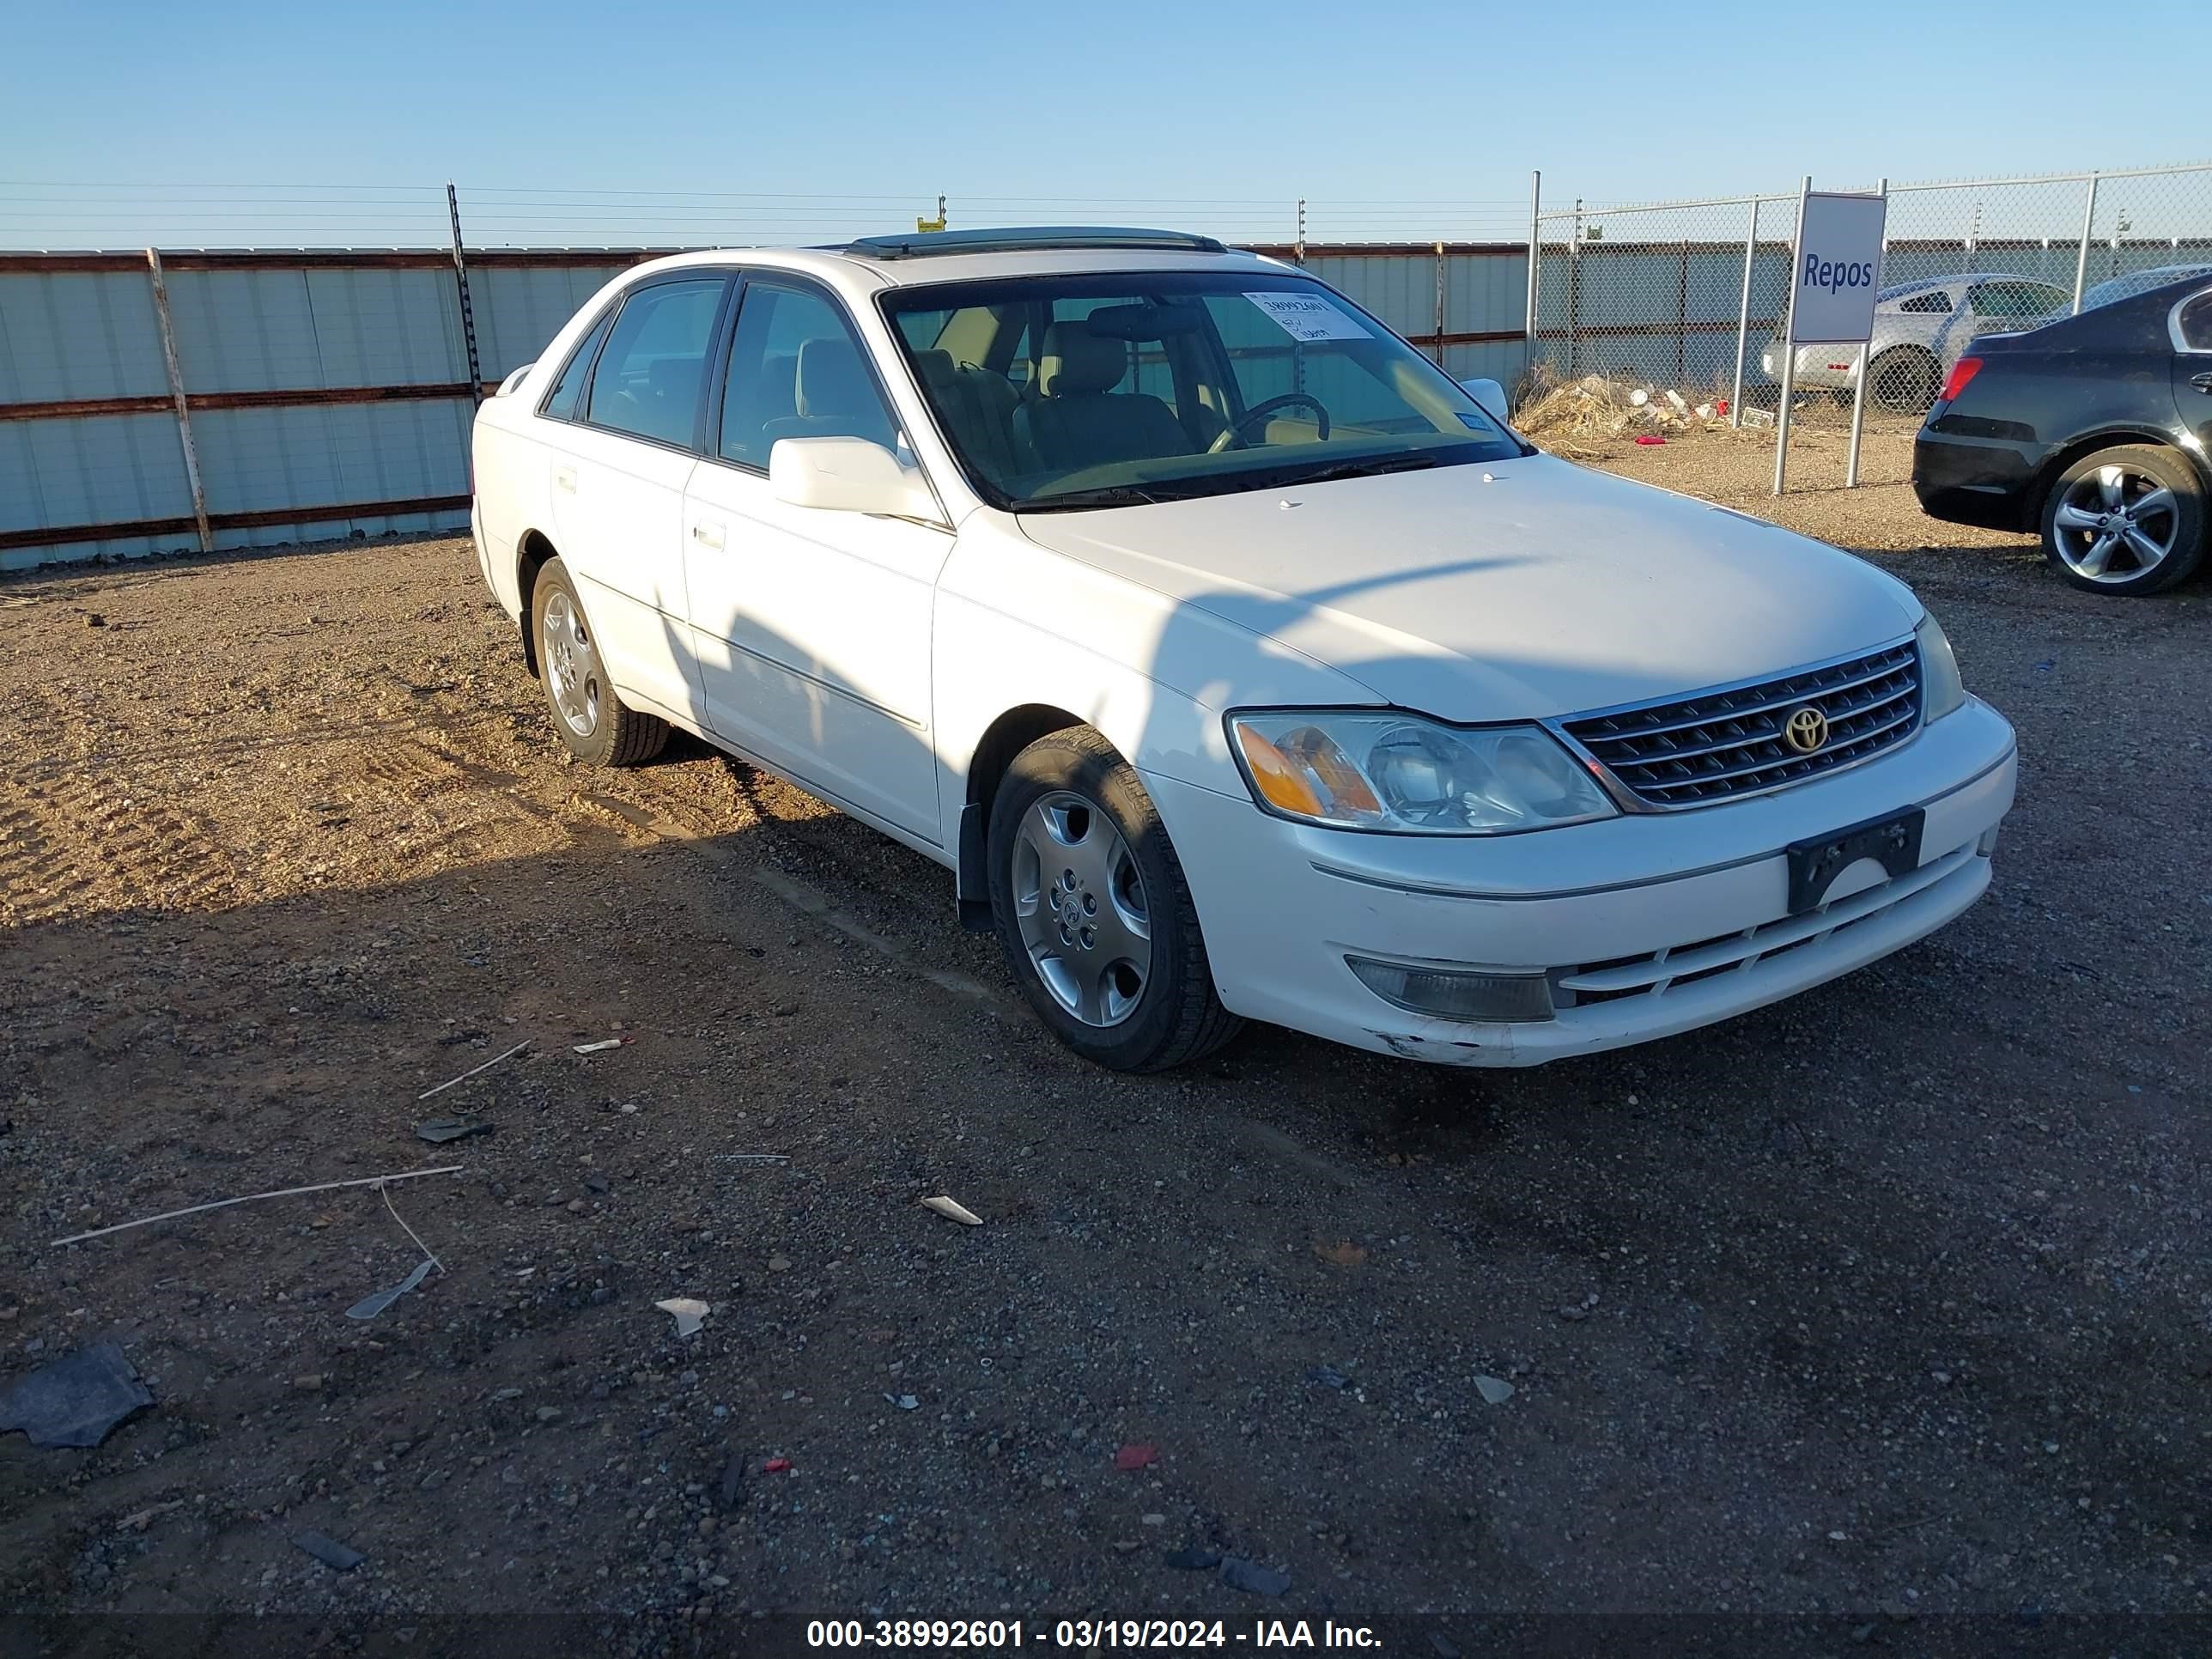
x=1961, y=372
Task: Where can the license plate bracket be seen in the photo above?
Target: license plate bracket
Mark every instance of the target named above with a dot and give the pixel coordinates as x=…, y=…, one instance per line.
x=1892, y=841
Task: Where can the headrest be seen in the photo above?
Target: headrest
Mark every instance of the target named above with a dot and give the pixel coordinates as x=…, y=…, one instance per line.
x=1076, y=362
x=832, y=382
x=936, y=367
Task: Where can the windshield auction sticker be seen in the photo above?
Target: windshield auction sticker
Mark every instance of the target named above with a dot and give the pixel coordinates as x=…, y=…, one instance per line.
x=1309, y=317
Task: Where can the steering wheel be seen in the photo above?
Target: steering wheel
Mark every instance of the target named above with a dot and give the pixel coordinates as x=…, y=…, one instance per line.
x=1234, y=435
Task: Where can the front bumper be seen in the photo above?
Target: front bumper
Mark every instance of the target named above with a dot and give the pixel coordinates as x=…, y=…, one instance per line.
x=1283, y=904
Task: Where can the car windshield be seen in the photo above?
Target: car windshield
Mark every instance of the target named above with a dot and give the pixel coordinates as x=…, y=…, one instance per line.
x=1110, y=390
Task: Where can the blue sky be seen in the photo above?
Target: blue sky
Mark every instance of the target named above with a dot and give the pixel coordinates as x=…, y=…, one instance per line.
x=1379, y=114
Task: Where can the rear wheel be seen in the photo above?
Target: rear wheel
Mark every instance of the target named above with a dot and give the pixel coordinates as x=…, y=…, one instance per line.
x=2127, y=520
x=599, y=728
x=1906, y=380
x=1093, y=912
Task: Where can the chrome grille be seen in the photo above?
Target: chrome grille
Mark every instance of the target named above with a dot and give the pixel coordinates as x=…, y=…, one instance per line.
x=1721, y=744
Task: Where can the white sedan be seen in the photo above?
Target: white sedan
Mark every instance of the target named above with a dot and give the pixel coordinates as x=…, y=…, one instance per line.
x=1237, y=662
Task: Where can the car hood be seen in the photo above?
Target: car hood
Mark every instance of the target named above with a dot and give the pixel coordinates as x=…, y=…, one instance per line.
x=1512, y=590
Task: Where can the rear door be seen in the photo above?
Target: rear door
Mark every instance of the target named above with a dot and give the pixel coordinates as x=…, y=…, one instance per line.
x=811, y=628
x=619, y=466
x=2190, y=328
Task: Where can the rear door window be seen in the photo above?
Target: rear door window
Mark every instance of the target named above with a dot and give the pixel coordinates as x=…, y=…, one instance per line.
x=647, y=380
x=570, y=390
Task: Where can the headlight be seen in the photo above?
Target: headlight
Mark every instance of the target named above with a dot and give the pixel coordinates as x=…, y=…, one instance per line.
x=1413, y=776
x=1941, y=690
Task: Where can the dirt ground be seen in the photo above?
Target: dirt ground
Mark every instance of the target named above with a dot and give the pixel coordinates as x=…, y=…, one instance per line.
x=1889, y=1303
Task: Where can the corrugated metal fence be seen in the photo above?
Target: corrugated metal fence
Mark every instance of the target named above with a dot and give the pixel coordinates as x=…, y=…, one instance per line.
x=326, y=394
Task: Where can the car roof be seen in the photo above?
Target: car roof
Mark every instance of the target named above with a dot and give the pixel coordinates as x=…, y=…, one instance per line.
x=919, y=260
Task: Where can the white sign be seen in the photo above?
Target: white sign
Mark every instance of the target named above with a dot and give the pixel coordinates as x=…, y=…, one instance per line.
x=1837, y=270
x=1309, y=316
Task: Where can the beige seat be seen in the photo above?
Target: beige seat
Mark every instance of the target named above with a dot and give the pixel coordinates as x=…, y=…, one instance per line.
x=979, y=406
x=833, y=396
x=1075, y=421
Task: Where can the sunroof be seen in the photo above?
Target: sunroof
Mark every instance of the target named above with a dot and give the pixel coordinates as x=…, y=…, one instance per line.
x=925, y=244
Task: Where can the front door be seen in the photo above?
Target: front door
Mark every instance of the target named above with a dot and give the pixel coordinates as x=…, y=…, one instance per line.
x=811, y=628
x=619, y=472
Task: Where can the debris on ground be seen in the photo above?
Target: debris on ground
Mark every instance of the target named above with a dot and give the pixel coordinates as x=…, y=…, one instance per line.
x=474, y=1070
x=953, y=1210
x=905, y=1402
x=1494, y=1390
x=255, y=1198
x=1343, y=1254
x=1649, y=438
x=1136, y=1456
x=1329, y=1376
x=1239, y=1574
x=1566, y=416
x=144, y=1518
x=369, y=1306
x=439, y=1130
x=690, y=1313
x=328, y=1550
x=1193, y=1560
x=731, y=1486
x=776, y=1466
x=76, y=1401
x=601, y=1048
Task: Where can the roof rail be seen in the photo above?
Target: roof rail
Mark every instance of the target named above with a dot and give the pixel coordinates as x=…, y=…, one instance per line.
x=923, y=244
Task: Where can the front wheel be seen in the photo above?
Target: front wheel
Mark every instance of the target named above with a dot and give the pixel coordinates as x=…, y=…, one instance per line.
x=2127, y=520
x=1093, y=912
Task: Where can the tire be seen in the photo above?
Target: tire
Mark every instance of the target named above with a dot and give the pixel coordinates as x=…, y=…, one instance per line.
x=1073, y=950
x=599, y=727
x=2142, y=505
x=1906, y=380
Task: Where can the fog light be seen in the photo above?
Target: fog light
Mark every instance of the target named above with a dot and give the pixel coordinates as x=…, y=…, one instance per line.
x=1453, y=994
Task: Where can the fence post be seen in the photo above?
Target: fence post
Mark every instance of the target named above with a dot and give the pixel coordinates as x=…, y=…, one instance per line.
x=1298, y=247
x=1440, y=304
x=2089, y=229
x=461, y=281
x=1682, y=319
x=1535, y=260
x=1789, y=344
x=1866, y=355
x=1575, y=292
x=177, y=396
x=1743, y=315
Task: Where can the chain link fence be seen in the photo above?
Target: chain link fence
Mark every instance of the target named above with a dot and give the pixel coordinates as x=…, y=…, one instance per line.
x=1690, y=297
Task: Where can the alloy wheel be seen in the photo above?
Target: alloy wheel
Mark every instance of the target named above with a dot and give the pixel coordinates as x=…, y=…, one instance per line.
x=2115, y=524
x=572, y=665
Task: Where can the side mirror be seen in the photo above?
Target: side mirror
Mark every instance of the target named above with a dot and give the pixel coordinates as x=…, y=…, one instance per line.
x=848, y=474
x=1487, y=392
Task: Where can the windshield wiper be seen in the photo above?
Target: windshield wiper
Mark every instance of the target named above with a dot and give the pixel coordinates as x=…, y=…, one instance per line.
x=1373, y=466
x=1105, y=496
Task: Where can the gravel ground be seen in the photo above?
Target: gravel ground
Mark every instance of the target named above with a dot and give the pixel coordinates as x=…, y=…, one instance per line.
x=1888, y=1301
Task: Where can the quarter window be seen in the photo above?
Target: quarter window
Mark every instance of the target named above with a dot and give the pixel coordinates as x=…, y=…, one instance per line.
x=797, y=371
x=2017, y=299
x=648, y=379
x=562, y=405
x=2194, y=322
x=1937, y=303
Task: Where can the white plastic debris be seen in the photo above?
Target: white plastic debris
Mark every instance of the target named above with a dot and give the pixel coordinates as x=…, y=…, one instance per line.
x=953, y=1210
x=1639, y=398
x=690, y=1313
x=1494, y=1390
x=601, y=1048
x=1705, y=412
x=1681, y=404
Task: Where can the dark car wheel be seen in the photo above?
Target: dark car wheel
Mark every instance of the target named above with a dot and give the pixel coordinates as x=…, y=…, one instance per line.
x=2128, y=519
x=1906, y=380
x=599, y=728
x=1093, y=912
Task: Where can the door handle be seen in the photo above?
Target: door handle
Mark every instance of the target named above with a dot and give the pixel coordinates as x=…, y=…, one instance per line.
x=564, y=477
x=707, y=535
x=2202, y=382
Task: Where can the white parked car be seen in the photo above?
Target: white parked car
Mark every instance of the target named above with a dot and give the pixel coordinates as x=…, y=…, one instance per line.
x=1237, y=663
x=1920, y=329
